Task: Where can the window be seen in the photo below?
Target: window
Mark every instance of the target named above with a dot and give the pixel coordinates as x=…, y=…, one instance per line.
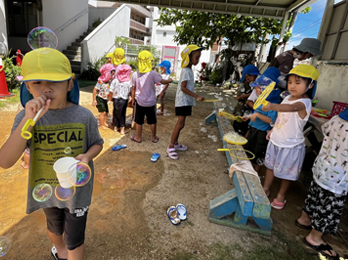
x=22, y=17
x=164, y=34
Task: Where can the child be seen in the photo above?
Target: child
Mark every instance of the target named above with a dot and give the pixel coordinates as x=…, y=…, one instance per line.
x=144, y=91
x=119, y=93
x=162, y=89
x=102, y=87
x=48, y=84
x=250, y=72
x=286, y=151
x=185, y=97
x=260, y=121
x=328, y=191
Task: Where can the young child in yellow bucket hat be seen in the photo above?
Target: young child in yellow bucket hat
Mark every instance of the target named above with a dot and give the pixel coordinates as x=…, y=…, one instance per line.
x=286, y=149
x=62, y=129
x=144, y=95
x=185, y=97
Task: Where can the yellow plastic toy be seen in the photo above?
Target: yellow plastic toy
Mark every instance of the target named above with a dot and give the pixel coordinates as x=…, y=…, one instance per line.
x=30, y=122
x=230, y=116
x=262, y=98
x=238, y=149
x=234, y=138
x=210, y=100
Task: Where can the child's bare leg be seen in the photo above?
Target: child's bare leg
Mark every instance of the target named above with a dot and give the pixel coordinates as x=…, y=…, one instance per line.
x=78, y=253
x=304, y=220
x=102, y=119
x=59, y=244
x=284, y=186
x=162, y=103
x=316, y=238
x=26, y=162
x=180, y=124
x=153, y=130
x=257, y=167
x=268, y=181
x=105, y=120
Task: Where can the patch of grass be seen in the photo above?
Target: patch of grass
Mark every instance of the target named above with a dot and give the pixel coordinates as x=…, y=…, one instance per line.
x=11, y=100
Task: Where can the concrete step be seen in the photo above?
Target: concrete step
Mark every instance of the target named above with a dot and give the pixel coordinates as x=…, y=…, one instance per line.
x=75, y=48
x=72, y=52
x=75, y=63
x=73, y=57
x=77, y=44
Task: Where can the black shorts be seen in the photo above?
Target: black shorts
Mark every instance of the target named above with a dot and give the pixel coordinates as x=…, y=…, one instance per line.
x=141, y=112
x=257, y=144
x=102, y=105
x=73, y=226
x=183, y=111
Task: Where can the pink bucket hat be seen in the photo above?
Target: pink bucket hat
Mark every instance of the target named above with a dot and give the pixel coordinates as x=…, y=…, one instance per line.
x=105, y=71
x=123, y=72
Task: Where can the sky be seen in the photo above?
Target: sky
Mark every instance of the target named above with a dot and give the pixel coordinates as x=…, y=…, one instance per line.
x=308, y=25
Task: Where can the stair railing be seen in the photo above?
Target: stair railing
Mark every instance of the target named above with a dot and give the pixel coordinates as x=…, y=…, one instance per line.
x=72, y=20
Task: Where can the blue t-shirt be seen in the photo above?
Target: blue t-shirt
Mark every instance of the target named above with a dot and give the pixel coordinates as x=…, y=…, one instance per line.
x=261, y=125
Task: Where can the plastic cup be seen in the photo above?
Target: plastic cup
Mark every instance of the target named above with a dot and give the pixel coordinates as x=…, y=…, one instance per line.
x=63, y=168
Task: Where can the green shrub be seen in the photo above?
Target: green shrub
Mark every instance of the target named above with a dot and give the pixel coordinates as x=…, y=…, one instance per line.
x=92, y=70
x=133, y=64
x=11, y=73
x=216, y=75
x=97, y=22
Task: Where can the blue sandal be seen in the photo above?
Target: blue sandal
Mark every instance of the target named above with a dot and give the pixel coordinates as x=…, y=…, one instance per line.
x=155, y=157
x=118, y=147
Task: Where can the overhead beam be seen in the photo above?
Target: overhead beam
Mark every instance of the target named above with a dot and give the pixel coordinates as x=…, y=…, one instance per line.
x=296, y=5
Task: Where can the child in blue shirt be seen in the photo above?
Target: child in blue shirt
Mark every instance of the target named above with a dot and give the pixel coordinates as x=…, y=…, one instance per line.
x=260, y=121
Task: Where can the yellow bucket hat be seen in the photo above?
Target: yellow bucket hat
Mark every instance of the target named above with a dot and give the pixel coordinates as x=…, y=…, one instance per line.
x=46, y=64
x=185, y=54
x=144, y=61
x=119, y=57
x=306, y=71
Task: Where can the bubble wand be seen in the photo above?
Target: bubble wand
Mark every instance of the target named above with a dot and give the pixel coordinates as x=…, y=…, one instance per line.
x=30, y=122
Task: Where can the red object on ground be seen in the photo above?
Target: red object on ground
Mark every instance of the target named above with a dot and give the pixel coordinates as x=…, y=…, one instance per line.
x=19, y=58
x=3, y=85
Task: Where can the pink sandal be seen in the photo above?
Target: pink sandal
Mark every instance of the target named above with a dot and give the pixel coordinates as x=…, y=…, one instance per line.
x=180, y=147
x=278, y=205
x=172, y=154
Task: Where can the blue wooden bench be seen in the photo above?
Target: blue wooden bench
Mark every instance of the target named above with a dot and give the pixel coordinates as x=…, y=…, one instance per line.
x=246, y=206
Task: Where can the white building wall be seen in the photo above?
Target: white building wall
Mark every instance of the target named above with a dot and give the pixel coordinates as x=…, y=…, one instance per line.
x=332, y=85
x=59, y=16
x=3, y=29
x=102, y=39
x=95, y=13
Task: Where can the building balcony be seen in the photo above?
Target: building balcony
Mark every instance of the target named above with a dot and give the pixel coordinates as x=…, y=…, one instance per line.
x=141, y=10
x=139, y=27
x=136, y=41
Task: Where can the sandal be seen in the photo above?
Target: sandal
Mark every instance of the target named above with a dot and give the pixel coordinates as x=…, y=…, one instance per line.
x=278, y=205
x=173, y=215
x=155, y=157
x=303, y=226
x=180, y=147
x=54, y=253
x=118, y=147
x=133, y=139
x=172, y=154
x=182, y=211
x=321, y=248
x=156, y=140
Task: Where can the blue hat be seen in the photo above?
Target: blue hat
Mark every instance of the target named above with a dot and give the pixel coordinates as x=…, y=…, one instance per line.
x=73, y=95
x=165, y=64
x=251, y=70
x=273, y=73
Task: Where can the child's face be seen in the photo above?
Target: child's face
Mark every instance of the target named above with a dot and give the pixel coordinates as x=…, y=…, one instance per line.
x=163, y=70
x=195, y=57
x=108, y=59
x=56, y=91
x=250, y=78
x=258, y=91
x=297, y=86
x=112, y=73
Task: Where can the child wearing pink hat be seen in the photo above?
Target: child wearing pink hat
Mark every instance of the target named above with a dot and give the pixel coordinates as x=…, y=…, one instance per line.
x=119, y=92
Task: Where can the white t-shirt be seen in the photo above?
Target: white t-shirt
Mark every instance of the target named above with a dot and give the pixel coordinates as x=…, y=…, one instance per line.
x=253, y=96
x=160, y=87
x=288, y=128
x=181, y=99
x=330, y=170
x=120, y=89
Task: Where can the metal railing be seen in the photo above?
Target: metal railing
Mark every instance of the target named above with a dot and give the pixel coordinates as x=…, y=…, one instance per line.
x=72, y=20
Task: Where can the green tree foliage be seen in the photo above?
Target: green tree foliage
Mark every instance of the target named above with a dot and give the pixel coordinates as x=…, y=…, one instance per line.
x=11, y=73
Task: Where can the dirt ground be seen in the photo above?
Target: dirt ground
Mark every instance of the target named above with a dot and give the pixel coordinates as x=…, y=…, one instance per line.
x=127, y=218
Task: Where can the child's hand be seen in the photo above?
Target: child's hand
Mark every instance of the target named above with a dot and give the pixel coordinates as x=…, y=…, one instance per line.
x=268, y=136
x=200, y=98
x=253, y=117
x=268, y=107
x=83, y=158
x=33, y=106
x=170, y=80
x=94, y=103
x=238, y=97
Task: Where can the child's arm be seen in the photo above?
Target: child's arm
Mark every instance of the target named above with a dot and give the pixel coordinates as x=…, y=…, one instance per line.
x=265, y=119
x=12, y=150
x=94, y=103
x=166, y=81
x=133, y=96
x=92, y=152
x=243, y=96
x=164, y=89
x=250, y=103
x=296, y=107
x=189, y=92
